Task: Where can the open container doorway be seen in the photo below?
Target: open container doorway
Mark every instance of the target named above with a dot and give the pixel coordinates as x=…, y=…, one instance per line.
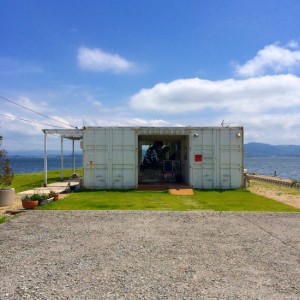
x=162, y=159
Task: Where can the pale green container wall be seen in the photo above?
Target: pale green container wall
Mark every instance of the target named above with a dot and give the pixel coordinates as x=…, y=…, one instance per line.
x=110, y=158
x=222, y=158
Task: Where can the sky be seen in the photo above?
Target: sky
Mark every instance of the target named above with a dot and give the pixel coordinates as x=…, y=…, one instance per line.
x=149, y=63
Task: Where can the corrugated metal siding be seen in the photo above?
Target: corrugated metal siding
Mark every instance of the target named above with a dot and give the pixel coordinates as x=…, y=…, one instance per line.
x=162, y=131
x=222, y=158
x=110, y=158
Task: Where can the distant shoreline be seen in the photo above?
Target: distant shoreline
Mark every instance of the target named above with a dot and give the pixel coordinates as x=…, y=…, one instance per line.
x=285, y=167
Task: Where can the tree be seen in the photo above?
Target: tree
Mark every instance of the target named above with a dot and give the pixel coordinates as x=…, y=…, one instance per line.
x=6, y=172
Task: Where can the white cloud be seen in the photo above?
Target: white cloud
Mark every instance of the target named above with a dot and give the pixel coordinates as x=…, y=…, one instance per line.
x=268, y=107
x=145, y=122
x=272, y=58
x=22, y=128
x=98, y=60
x=274, y=128
x=190, y=95
x=92, y=101
x=118, y=120
x=28, y=103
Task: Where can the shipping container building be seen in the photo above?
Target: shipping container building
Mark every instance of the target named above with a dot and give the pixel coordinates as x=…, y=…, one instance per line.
x=126, y=157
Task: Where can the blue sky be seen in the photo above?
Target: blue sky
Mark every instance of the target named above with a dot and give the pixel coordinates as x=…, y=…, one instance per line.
x=150, y=63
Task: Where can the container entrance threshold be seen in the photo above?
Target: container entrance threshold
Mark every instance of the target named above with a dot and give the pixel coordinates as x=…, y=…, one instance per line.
x=161, y=186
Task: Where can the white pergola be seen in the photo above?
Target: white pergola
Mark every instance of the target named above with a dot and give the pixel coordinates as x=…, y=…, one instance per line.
x=70, y=134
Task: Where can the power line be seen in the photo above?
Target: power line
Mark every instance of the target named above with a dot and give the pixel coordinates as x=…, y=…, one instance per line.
x=12, y=117
x=36, y=112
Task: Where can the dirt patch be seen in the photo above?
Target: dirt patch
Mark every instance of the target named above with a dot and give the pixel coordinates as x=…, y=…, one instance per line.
x=16, y=205
x=275, y=192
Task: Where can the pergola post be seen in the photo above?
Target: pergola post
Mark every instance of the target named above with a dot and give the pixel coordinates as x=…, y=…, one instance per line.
x=45, y=158
x=61, y=158
x=70, y=134
x=73, y=153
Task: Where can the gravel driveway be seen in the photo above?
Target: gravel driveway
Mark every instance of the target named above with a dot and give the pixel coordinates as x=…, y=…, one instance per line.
x=150, y=255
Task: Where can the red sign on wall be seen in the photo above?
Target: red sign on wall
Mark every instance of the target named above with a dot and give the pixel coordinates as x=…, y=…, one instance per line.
x=198, y=157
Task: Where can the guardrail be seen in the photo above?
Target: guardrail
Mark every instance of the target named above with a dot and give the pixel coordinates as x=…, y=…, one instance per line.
x=275, y=180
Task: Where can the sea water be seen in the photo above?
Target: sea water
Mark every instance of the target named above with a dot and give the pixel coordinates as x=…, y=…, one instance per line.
x=285, y=167
x=22, y=164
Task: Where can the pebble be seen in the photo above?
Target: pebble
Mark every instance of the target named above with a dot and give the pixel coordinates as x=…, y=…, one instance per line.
x=150, y=255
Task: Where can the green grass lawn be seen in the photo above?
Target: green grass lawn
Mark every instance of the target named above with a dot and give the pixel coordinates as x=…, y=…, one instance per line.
x=229, y=200
x=23, y=182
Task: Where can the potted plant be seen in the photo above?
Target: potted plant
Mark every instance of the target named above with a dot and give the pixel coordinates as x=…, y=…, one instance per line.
x=29, y=203
x=53, y=195
x=7, y=195
x=40, y=198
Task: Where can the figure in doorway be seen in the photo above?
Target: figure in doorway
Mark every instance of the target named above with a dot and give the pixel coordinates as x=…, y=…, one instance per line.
x=151, y=157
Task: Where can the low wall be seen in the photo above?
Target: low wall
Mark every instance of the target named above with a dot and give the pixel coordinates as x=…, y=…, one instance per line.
x=276, y=180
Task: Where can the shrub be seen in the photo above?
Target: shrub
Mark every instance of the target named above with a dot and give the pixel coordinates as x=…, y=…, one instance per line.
x=52, y=194
x=6, y=172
